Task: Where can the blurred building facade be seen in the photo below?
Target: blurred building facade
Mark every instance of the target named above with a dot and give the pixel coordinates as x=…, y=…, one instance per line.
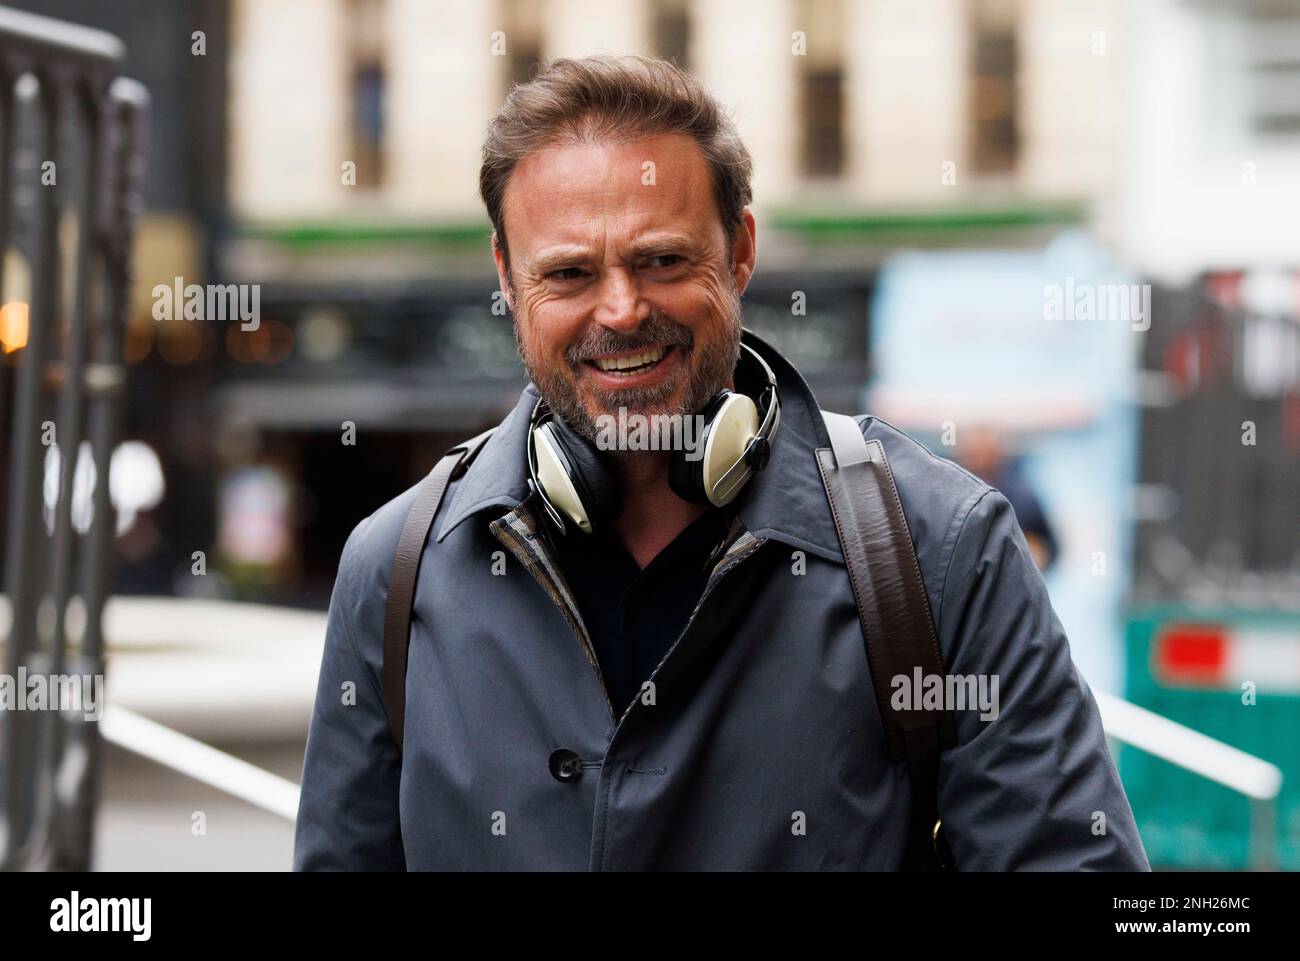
x=1209, y=150
x=869, y=103
x=355, y=135
x=326, y=152
x=1210, y=143
x=177, y=51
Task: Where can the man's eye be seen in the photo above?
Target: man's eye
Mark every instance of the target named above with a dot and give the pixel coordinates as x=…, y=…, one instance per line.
x=665, y=260
x=565, y=273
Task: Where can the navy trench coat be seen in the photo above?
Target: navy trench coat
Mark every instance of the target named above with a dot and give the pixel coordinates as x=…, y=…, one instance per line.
x=759, y=745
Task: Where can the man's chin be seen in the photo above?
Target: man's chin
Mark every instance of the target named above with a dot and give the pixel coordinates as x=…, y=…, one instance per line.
x=616, y=415
x=660, y=399
x=625, y=403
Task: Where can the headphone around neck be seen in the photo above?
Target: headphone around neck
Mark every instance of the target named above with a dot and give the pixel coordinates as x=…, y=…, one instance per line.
x=733, y=442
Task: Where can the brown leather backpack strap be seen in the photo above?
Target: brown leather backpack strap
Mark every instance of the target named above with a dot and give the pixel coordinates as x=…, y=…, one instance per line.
x=405, y=571
x=893, y=607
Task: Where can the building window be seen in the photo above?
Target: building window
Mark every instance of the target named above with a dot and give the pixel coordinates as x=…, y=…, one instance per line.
x=995, y=135
x=821, y=87
x=366, y=85
x=823, y=118
x=1253, y=55
x=671, y=31
x=522, y=26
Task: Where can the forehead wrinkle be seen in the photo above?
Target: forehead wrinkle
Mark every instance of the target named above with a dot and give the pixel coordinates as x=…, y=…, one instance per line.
x=657, y=241
x=606, y=187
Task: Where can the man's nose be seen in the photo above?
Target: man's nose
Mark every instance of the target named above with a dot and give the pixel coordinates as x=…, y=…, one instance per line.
x=620, y=305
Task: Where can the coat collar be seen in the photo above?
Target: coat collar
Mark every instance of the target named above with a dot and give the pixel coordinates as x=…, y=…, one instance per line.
x=784, y=501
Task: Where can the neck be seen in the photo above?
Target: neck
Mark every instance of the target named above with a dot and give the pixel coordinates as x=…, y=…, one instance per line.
x=652, y=514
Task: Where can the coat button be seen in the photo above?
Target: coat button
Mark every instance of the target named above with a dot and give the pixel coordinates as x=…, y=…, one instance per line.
x=565, y=765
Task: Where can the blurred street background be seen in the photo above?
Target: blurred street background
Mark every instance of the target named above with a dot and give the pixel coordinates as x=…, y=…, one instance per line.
x=1053, y=239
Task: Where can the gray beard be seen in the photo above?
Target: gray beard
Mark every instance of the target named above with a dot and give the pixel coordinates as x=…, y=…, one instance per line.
x=715, y=365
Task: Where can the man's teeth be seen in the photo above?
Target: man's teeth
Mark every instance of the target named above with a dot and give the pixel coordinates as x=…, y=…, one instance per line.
x=642, y=359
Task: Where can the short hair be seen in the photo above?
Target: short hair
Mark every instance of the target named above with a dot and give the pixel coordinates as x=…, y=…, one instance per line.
x=618, y=99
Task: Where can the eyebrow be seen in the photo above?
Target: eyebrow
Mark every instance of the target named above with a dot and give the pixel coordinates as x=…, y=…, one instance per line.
x=564, y=256
x=556, y=257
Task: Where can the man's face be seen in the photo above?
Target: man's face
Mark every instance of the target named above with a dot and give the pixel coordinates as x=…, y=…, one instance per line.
x=618, y=258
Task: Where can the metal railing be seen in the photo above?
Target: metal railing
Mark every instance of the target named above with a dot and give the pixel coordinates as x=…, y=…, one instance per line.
x=202, y=762
x=1253, y=777
x=71, y=153
x=144, y=623
x=1258, y=780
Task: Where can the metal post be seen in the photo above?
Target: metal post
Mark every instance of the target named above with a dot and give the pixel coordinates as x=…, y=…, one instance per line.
x=1263, y=834
x=82, y=102
x=26, y=547
x=123, y=124
x=72, y=66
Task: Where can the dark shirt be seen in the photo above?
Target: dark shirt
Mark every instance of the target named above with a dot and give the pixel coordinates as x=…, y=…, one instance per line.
x=635, y=615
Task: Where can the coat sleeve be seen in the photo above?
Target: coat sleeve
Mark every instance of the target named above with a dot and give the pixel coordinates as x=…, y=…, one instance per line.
x=348, y=812
x=1034, y=788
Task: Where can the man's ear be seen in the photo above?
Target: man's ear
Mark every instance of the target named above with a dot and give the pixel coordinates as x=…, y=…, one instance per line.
x=744, y=250
x=503, y=273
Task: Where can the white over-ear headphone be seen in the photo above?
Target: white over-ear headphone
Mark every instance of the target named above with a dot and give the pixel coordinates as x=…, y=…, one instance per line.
x=577, y=488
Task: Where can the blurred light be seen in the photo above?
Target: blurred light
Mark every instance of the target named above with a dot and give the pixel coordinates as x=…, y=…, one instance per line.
x=135, y=484
x=179, y=342
x=269, y=343
x=138, y=341
x=255, y=505
x=135, y=481
x=279, y=339
x=83, y=486
x=258, y=343
x=324, y=334
x=13, y=326
x=237, y=344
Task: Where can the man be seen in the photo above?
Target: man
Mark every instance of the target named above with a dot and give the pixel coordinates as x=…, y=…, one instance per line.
x=687, y=686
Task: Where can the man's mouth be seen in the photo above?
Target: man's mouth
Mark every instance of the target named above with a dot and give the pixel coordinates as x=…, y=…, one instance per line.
x=630, y=365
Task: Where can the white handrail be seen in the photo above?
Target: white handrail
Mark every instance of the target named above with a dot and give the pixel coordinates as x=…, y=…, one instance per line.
x=1189, y=749
x=1143, y=729
x=200, y=761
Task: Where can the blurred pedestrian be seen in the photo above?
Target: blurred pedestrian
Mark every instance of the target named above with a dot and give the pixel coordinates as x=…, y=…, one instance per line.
x=983, y=452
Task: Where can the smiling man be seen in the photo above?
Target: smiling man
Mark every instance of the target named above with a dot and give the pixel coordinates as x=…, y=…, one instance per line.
x=625, y=295
x=562, y=652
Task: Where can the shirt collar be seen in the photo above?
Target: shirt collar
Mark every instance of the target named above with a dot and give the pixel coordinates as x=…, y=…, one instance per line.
x=784, y=501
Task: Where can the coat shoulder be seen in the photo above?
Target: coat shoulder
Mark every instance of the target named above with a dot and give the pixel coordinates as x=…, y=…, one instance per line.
x=364, y=568
x=911, y=461
x=937, y=495
x=373, y=541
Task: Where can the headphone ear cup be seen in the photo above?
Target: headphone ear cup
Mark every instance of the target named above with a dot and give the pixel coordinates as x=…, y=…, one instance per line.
x=686, y=479
x=686, y=474
x=594, y=483
x=731, y=422
x=733, y=428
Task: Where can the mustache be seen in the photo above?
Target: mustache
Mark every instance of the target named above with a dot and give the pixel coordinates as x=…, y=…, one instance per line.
x=604, y=341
